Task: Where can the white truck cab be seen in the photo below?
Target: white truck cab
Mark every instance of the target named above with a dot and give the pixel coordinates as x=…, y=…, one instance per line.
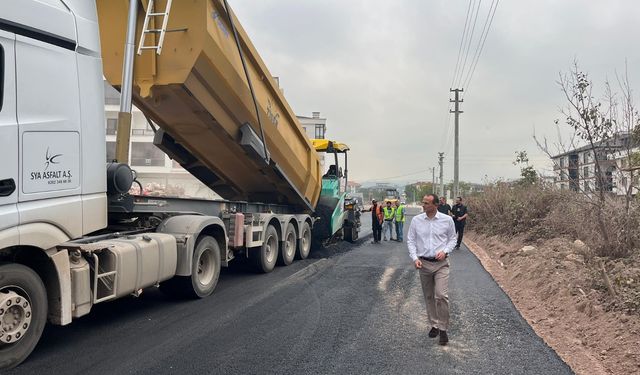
x=51, y=124
x=52, y=174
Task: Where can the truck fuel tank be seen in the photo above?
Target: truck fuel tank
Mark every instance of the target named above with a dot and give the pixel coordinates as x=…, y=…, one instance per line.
x=128, y=264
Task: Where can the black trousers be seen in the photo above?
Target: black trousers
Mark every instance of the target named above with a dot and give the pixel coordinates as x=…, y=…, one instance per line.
x=377, y=230
x=460, y=231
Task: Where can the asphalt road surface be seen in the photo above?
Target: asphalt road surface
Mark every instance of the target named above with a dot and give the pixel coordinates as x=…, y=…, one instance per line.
x=359, y=311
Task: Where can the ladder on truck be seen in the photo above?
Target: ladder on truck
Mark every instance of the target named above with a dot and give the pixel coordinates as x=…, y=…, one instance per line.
x=151, y=13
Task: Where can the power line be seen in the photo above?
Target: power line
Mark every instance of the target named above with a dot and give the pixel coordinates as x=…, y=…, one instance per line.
x=446, y=128
x=480, y=40
x=464, y=34
x=481, y=46
x=473, y=28
x=404, y=175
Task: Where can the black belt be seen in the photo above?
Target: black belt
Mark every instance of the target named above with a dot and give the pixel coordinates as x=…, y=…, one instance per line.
x=433, y=259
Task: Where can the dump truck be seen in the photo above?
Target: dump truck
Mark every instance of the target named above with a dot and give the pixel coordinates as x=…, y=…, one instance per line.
x=71, y=234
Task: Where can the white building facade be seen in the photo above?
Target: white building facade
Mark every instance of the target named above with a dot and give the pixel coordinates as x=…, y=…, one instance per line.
x=576, y=169
x=316, y=128
x=158, y=174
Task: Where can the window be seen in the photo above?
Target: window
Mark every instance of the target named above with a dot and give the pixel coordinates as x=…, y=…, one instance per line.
x=146, y=154
x=563, y=175
x=112, y=126
x=585, y=172
x=137, y=131
x=586, y=186
x=562, y=163
x=111, y=151
x=319, y=134
x=585, y=157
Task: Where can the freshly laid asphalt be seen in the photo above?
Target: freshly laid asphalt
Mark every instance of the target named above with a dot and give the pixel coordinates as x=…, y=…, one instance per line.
x=359, y=311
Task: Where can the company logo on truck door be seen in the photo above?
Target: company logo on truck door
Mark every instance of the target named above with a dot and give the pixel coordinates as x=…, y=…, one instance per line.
x=52, y=176
x=51, y=161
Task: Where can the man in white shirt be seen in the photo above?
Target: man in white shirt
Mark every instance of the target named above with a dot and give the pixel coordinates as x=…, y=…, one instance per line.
x=432, y=236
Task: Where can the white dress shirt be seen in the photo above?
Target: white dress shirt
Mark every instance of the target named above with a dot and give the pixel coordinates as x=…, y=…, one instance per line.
x=427, y=236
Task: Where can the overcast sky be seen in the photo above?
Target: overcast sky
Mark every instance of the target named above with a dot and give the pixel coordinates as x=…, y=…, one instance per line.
x=380, y=72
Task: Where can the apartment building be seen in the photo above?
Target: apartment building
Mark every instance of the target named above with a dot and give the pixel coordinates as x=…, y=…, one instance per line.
x=576, y=169
x=316, y=128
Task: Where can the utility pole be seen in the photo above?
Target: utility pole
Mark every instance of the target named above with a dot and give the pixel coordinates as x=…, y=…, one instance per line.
x=456, y=156
x=440, y=163
x=433, y=180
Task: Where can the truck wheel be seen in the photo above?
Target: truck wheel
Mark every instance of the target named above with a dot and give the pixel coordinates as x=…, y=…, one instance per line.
x=205, y=271
x=288, y=251
x=304, y=243
x=23, y=313
x=265, y=257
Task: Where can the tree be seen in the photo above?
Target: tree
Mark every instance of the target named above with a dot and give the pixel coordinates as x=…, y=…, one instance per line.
x=629, y=123
x=592, y=124
x=528, y=174
x=417, y=190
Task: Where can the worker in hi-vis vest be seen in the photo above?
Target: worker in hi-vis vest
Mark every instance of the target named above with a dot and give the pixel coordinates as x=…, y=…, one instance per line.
x=400, y=218
x=387, y=226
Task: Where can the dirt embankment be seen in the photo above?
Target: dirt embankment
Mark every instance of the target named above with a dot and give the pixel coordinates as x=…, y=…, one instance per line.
x=591, y=321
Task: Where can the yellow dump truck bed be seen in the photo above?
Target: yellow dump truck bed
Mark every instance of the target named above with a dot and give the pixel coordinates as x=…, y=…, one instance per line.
x=197, y=92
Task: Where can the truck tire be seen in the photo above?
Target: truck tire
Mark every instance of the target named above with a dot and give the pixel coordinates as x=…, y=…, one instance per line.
x=304, y=243
x=288, y=250
x=265, y=256
x=205, y=271
x=23, y=295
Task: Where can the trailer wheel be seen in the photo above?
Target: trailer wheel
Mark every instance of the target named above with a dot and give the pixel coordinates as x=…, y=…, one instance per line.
x=205, y=271
x=265, y=257
x=304, y=243
x=288, y=251
x=23, y=313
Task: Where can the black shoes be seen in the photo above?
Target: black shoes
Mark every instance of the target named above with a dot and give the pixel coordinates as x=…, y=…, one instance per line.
x=444, y=339
x=457, y=247
x=434, y=332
